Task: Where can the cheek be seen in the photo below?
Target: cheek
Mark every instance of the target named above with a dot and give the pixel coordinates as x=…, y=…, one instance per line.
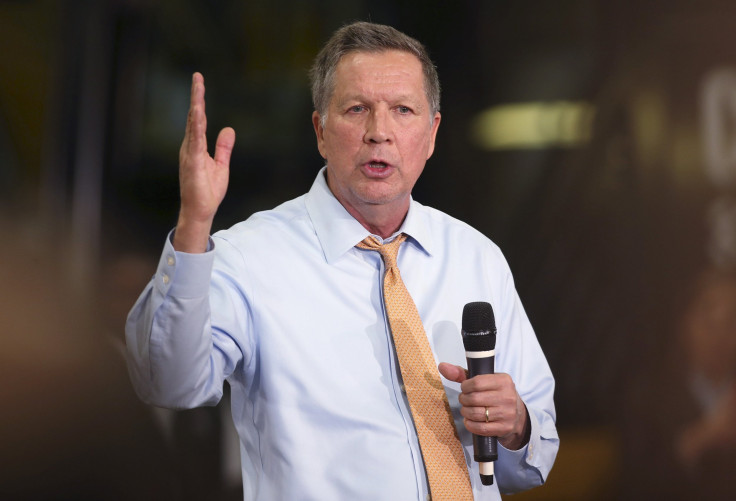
x=339, y=141
x=419, y=142
x=418, y=152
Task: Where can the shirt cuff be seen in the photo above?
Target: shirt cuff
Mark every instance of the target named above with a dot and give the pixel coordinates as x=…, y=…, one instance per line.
x=529, y=466
x=527, y=452
x=184, y=275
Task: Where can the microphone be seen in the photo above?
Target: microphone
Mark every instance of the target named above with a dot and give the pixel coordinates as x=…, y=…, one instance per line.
x=479, y=339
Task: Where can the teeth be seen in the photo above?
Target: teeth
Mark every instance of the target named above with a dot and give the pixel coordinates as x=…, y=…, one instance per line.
x=378, y=165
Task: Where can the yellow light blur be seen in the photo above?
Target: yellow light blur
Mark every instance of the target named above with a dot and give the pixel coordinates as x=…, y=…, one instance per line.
x=534, y=125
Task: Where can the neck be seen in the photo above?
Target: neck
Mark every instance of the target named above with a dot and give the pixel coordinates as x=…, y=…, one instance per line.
x=381, y=220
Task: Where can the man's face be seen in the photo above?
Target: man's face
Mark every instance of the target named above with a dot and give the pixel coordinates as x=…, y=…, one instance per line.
x=378, y=133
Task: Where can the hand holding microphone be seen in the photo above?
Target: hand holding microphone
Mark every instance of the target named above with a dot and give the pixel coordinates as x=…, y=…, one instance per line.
x=490, y=403
x=479, y=339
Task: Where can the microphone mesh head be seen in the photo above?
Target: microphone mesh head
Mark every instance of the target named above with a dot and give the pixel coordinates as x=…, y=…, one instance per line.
x=479, y=327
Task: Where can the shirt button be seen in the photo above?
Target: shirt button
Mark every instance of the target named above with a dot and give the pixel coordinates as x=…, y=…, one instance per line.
x=170, y=261
x=402, y=388
x=429, y=497
x=166, y=279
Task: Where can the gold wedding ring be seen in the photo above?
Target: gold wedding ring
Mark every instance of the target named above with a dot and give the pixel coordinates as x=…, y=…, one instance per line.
x=487, y=420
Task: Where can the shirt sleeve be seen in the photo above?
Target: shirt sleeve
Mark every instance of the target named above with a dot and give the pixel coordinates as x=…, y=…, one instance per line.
x=175, y=359
x=520, y=355
x=529, y=466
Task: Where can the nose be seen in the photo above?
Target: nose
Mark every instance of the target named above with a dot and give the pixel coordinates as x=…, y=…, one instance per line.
x=378, y=127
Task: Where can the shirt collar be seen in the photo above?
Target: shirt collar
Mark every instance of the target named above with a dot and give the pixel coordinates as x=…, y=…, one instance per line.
x=338, y=231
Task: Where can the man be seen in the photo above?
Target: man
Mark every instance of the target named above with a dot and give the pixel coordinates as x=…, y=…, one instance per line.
x=288, y=306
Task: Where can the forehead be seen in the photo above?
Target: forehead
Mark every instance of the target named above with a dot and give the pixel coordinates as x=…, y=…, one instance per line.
x=379, y=71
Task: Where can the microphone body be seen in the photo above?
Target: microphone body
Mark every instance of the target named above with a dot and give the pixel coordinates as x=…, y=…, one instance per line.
x=479, y=339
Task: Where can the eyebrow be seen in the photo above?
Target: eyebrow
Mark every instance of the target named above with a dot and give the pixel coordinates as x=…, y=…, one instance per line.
x=415, y=103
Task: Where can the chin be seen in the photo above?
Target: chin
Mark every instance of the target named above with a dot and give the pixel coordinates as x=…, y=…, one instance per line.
x=377, y=196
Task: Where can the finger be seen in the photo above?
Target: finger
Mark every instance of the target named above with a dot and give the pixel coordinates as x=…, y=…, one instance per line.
x=497, y=400
x=478, y=414
x=487, y=382
x=195, y=138
x=453, y=372
x=490, y=429
x=224, y=146
x=192, y=103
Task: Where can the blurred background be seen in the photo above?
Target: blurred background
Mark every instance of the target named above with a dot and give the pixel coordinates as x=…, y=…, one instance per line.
x=594, y=141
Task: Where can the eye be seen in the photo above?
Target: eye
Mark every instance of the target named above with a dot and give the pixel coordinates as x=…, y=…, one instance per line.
x=358, y=108
x=403, y=110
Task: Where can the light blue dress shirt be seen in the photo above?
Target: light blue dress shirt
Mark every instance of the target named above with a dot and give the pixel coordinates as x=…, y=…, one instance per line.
x=290, y=313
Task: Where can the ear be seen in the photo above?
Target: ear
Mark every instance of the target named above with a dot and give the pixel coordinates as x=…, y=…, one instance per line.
x=320, y=133
x=433, y=134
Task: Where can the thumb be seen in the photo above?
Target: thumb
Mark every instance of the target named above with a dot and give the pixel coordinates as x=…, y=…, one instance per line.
x=453, y=372
x=224, y=146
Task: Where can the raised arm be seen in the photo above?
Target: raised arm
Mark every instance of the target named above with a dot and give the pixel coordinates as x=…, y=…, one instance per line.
x=203, y=178
x=170, y=346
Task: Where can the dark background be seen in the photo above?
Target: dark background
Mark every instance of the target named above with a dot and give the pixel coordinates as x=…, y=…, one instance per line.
x=606, y=236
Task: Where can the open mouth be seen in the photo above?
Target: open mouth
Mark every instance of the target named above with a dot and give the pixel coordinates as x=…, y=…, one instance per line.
x=377, y=165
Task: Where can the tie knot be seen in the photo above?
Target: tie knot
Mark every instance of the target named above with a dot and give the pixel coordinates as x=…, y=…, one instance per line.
x=388, y=251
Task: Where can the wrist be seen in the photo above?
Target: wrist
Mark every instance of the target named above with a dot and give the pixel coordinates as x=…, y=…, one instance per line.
x=521, y=435
x=191, y=236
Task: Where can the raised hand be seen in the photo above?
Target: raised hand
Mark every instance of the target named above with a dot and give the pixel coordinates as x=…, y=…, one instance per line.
x=203, y=178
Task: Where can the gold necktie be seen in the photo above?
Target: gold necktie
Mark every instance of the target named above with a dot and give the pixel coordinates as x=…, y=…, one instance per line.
x=447, y=471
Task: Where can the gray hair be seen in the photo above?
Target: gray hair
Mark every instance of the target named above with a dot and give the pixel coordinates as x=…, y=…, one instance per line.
x=367, y=37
